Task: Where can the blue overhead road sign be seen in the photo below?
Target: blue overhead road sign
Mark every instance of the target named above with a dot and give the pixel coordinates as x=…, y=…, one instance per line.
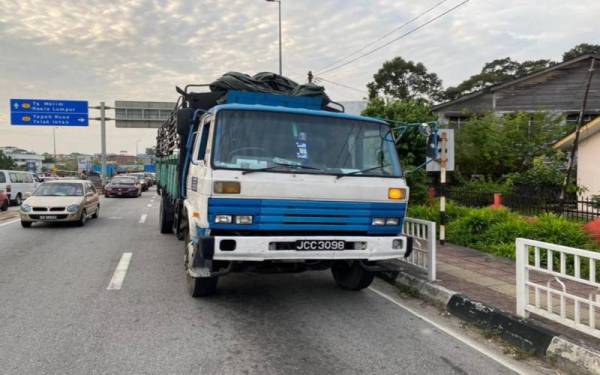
x=49, y=112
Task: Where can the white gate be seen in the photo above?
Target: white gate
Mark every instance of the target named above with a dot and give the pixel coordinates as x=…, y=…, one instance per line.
x=559, y=283
x=424, y=245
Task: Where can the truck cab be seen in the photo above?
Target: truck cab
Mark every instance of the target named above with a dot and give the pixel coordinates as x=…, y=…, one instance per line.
x=270, y=183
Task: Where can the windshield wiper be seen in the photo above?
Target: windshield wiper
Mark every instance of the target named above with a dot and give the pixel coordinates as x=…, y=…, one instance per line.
x=361, y=171
x=277, y=165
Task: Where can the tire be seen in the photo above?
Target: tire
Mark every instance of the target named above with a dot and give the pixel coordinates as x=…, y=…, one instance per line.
x=351, y=276
x=4, y=206
x=26, y=224
x=107, y=195
x=95, y=215
x=165, y=219
x=82, y=219
x=199, y=286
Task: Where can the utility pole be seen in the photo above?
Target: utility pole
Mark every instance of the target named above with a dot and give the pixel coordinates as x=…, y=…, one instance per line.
x=443, y=161
x=310, y=76
x=577, y=133
x=54, y=141
x=280, y=51
x=103, y=136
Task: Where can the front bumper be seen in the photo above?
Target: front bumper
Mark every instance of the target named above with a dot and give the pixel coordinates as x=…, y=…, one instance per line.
x=262, y=248
x=59, y=216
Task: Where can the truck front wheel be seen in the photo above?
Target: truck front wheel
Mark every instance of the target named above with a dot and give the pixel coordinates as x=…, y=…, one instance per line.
x=350, y=275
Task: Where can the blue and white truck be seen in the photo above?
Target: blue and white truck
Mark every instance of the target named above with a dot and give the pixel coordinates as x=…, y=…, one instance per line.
x=256, y=182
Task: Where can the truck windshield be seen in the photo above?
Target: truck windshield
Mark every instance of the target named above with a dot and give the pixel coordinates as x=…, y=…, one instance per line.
x=277, y=141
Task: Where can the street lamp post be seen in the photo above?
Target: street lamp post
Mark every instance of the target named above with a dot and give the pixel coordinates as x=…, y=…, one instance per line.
x=280, y=53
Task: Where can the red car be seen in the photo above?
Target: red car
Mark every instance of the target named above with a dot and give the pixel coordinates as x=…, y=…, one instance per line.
x=123, y=186
x=3, y=201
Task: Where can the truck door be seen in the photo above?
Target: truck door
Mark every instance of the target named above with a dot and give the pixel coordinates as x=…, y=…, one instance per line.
x=198, y=172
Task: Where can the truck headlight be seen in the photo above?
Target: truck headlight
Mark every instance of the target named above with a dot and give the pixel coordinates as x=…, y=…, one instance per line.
x=25, y=207
x=73, y=208
x=243, y=219
x=223, y=219
x=391, y=221
x=378, y=221
x=227, y=187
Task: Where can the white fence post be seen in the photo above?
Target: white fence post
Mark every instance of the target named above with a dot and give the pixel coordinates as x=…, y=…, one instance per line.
x=424, y=245
x=521, y=273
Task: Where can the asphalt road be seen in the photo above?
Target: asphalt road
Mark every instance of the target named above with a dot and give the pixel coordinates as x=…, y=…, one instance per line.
x=57, y=316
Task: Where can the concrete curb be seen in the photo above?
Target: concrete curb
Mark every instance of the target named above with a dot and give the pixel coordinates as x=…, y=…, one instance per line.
x=523, y=333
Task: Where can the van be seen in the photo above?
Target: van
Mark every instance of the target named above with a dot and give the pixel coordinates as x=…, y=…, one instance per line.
x=16, y=184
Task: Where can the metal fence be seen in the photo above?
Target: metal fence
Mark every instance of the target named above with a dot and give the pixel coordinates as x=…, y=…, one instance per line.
x=424, y=245
x=531, y=203
x=559, y=283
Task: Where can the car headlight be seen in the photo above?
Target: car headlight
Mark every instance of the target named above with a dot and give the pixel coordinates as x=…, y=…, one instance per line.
x=243, y=219
x=392, y=221
x=25, y=207
x=73, y=208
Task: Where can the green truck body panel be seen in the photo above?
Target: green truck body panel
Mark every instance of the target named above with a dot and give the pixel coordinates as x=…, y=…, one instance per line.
x=166, y=174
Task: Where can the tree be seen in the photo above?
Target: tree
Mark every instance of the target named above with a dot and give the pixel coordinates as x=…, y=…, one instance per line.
x=494, y=73
x=151, y=151
x=495, y=146
x=580, y=50
x=6, y=162
x=411, y=145
x=405, y=80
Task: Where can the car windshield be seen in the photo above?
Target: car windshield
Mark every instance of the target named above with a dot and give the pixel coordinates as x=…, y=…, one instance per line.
x=122, y=181
x=252, y=140
x=59, y=190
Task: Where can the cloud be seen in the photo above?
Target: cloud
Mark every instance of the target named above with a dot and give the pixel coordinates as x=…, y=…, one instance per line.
x=141, y=49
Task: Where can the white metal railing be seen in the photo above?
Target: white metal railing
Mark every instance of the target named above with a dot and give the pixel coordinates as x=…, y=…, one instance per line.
x=424, y=245
x=559, y=283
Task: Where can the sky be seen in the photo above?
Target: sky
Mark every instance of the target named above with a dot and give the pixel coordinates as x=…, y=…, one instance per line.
x=140, y=49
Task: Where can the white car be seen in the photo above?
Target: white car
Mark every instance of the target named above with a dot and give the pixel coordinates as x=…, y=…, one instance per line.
x=16, y=184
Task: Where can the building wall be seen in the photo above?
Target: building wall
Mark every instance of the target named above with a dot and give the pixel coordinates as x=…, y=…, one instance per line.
x=588, y=167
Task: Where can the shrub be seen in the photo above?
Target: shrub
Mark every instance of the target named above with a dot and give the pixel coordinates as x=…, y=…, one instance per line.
x=558, y=230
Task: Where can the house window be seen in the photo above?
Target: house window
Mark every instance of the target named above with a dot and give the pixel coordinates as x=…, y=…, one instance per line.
x=456, y=122
x=572, y=118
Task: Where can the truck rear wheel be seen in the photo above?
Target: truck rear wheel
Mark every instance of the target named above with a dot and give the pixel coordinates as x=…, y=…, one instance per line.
x=351, y=276
x=165, y=219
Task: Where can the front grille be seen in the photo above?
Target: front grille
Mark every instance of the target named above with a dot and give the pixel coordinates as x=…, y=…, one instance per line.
x=57, y=209
x=40, y=209
x=279, y=215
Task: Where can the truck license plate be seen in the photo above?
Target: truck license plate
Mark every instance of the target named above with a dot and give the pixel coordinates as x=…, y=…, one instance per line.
x=320, y=245
x=48, y=217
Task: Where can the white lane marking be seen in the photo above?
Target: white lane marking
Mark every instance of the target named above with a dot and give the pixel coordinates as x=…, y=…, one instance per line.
x=143, y=218
x=117, y=280
x=149, y=205
x=10, y=222
x=457, y=335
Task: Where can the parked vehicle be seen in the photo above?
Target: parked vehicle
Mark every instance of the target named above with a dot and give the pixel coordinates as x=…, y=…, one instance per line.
x=4, y=201
x=16, y=184
x=60, y=201
x=123, y=186
x=96, y=180
x=275, y=183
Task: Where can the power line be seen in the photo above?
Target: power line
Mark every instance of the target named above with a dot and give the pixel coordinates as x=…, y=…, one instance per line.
x=395, y=39
x=385, y=35
x=321, y=79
